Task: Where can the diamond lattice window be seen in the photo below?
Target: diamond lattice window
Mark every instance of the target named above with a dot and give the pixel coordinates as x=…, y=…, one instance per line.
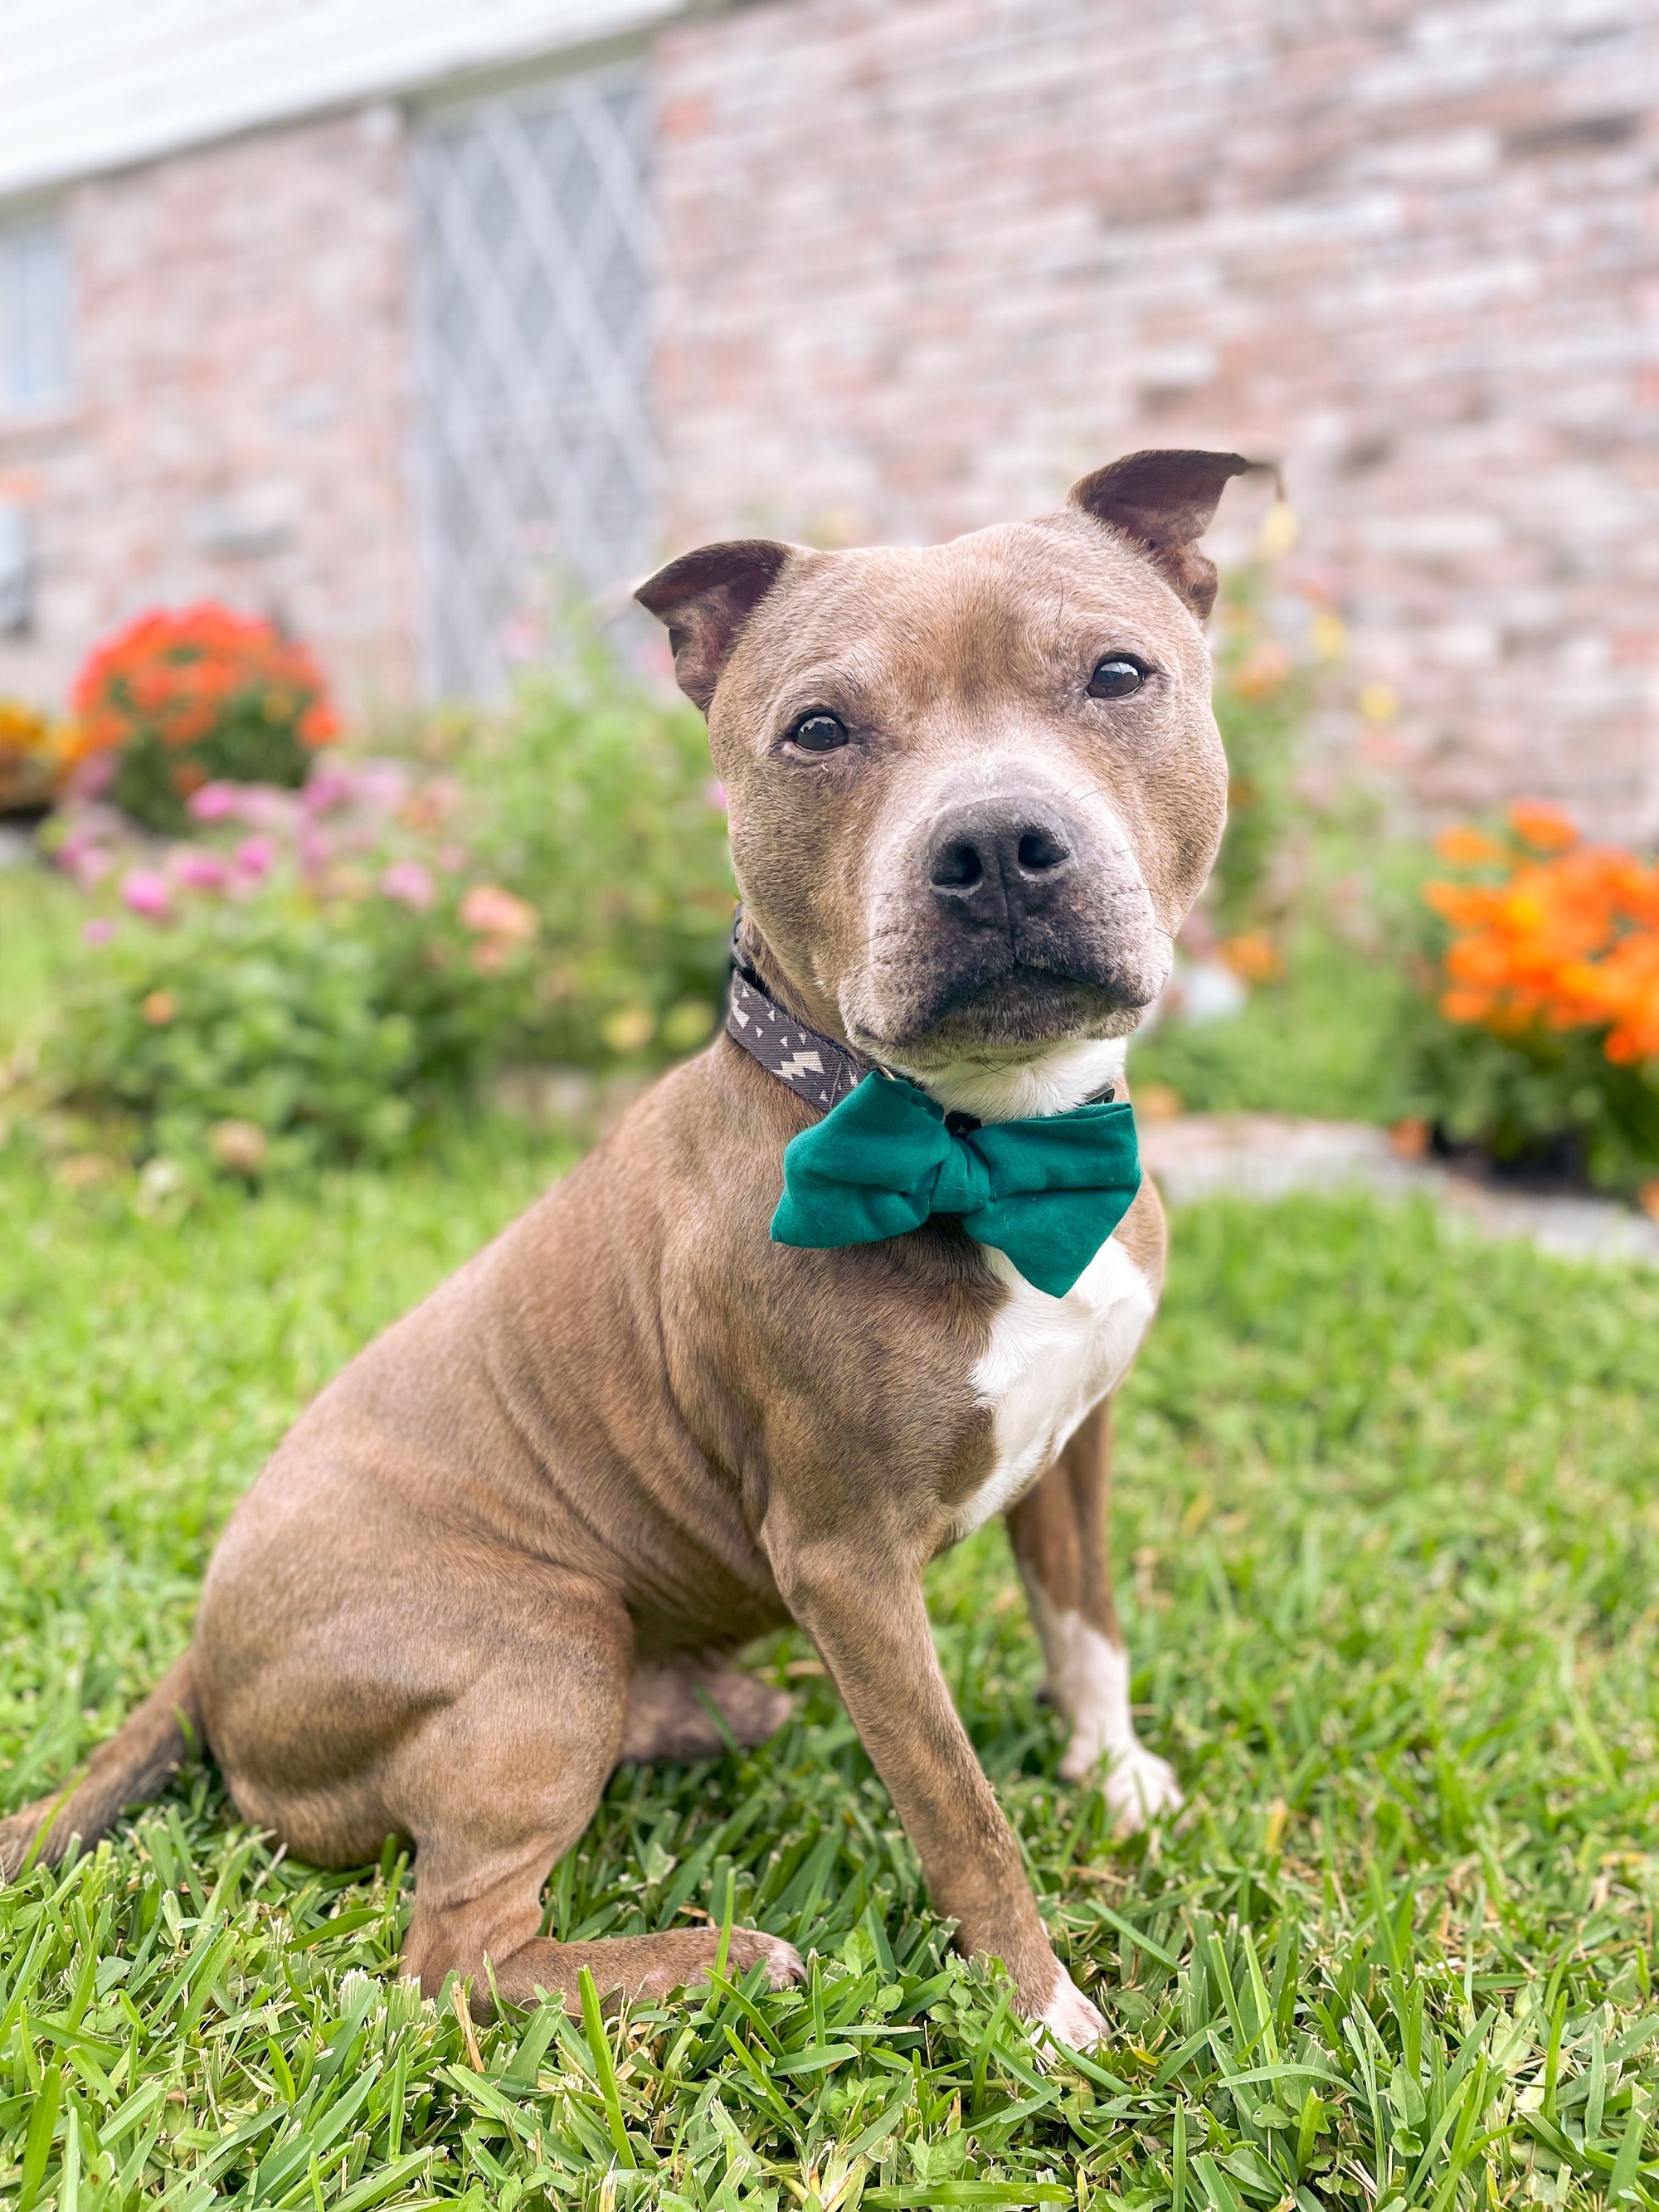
x=539, y=464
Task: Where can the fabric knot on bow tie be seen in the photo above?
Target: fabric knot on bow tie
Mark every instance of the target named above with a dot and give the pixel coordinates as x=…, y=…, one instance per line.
x=1048, y=1191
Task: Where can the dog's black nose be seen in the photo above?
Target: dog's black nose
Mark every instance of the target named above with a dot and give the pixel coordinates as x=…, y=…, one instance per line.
x=995, y=860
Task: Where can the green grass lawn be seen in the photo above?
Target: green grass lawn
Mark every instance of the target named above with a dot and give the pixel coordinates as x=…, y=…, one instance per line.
x=1387, y=1528
x=41, y=916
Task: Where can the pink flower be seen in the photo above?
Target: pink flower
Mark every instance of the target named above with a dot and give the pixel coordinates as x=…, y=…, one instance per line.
x=263, y=806
x=255, y=856
x=146, y=891
x=88, y=863
x=327, y=789
x=92, y=778
x=99, y=931
x=381, y=788
x=315, y=851
x=200, y=871
x=409, y=884
x=495, y=913
x=713, y=793
x=81, y=854
x=214, y=802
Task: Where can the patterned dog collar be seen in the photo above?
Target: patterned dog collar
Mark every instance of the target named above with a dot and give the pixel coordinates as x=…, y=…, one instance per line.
x=816, y=1068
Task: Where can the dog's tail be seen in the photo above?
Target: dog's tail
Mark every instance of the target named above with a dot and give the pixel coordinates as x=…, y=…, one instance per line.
x=137, y=1763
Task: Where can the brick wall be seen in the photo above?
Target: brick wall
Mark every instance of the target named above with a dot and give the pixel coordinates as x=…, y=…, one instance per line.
x=925, y=262
x=241, y=413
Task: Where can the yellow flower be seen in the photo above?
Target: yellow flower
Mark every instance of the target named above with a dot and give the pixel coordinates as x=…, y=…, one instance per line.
x=1279, y=531
x=1379, y=702
x=630, y=1029
x=1329, y=634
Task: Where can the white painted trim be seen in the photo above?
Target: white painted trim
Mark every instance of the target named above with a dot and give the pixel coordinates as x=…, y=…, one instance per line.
x=88, y=86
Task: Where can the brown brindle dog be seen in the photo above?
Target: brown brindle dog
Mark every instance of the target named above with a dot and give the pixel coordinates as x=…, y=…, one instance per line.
x=974, y=788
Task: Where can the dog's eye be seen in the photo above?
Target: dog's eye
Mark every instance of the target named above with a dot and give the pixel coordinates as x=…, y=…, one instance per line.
x=1117, y=677
x=819, y=732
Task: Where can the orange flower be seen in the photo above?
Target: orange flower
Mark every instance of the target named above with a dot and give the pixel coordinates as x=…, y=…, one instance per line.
x=1263, y=672
x=1468, y=848
x=1544, y=827
x=1568, y=939
x=1254, y=957
x=495, y=913
x=174, y=674
x=1462, y=904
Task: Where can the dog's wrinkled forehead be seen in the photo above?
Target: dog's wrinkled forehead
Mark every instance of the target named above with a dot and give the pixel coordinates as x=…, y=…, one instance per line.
x=907, y=635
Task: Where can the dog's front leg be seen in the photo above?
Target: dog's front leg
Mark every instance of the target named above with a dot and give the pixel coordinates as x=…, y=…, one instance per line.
x=866, y=1614
x=1059, y=1533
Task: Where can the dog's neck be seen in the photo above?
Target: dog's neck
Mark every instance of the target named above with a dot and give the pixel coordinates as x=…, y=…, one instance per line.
x=1053, y=1081
x=997, y=1087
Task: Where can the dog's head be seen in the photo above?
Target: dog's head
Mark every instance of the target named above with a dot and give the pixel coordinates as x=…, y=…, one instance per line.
x=973, y=787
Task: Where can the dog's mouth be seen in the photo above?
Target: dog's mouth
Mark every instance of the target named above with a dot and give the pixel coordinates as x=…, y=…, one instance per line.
x=1024, y=1007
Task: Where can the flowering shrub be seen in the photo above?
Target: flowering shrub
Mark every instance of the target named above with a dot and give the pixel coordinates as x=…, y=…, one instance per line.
x=306, y=978
x=310, y=973
x=594, y=800
x=178, y=701
x=35, y=753
x=1547, y=1042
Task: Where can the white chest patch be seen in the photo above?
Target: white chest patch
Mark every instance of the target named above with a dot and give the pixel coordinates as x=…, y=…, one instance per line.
x=1050, y=1362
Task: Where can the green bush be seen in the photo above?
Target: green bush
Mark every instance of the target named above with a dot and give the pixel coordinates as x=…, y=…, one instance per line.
x=1323, y=1040
x=312, y=991
x=1548, y=1100
x=285, y=1022
x=265, y=1036
x=593, y=799
x=1262, y=697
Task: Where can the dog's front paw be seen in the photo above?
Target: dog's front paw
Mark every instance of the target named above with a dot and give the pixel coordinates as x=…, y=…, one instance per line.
x=1138, y=1788
x=1069, y=2018
x=784, y=1963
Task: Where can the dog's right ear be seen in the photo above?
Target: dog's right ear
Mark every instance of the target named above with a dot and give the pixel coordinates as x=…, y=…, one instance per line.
x=705, y=598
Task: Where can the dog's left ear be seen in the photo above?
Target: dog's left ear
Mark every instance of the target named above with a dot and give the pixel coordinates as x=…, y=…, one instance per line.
x=705, y=598
x=1166, y=501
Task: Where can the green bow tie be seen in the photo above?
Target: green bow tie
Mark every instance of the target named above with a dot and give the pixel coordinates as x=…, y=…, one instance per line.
x=1048, y=1192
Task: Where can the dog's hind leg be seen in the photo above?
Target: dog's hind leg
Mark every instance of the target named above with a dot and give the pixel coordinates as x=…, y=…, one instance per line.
x=497, y=1786
x=669, y=1719
x=1059, y=1536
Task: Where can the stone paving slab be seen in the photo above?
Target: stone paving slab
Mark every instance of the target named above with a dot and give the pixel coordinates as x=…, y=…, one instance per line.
x=1265, y=1156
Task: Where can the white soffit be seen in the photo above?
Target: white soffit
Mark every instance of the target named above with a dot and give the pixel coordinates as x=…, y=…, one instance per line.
x=96, y=84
